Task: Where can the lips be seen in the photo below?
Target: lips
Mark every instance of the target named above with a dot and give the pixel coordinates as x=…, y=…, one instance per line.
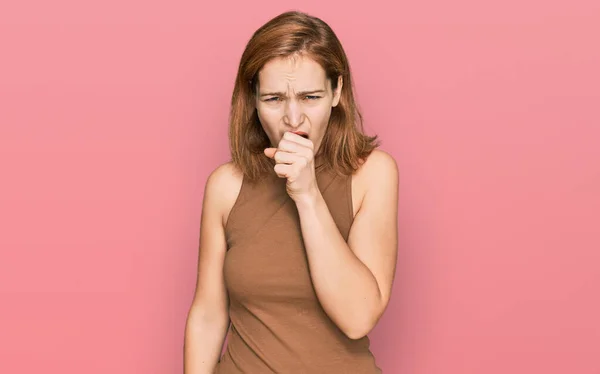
x=301, y=133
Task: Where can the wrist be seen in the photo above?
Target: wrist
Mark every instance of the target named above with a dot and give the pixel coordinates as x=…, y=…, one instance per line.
x=308, y=200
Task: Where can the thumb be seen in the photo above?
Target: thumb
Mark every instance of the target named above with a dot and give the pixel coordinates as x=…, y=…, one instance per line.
x=270, y=152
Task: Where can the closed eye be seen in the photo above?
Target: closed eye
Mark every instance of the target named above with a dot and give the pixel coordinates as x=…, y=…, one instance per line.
x=312, y=97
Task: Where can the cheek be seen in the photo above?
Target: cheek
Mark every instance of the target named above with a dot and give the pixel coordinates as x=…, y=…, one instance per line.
x=268, y=118
x=319, y=116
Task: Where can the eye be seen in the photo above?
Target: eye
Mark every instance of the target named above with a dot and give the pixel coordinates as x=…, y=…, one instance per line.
x=312, y=97
x=274, y=98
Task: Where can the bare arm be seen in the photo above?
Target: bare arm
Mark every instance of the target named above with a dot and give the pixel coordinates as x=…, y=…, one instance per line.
x=353, y=280
x=208, y=320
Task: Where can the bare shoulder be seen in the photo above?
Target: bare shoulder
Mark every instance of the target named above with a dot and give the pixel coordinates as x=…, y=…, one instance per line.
x=222, y=188
x=379, y=163
x=378, y=171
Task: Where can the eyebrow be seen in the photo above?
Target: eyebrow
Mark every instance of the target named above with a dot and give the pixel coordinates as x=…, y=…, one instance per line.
x=301, y=93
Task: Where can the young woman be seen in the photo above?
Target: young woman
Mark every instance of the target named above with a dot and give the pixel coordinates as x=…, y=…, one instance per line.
x=298, y=235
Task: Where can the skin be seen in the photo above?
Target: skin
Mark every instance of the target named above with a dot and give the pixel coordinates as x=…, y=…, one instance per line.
x=294, y=94
x=353, y=279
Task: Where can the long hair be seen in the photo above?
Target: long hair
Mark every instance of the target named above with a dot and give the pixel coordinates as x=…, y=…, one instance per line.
x=344, y=144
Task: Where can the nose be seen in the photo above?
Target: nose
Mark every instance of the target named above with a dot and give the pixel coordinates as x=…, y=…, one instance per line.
x=294, y=115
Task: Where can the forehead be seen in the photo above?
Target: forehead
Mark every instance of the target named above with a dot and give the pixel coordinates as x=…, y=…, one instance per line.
x=297, y=71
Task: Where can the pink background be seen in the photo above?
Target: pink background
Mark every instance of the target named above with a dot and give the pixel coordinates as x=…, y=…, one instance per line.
x=113, y=113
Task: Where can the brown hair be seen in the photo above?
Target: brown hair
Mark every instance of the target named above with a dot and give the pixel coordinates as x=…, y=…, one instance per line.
x=344, y=144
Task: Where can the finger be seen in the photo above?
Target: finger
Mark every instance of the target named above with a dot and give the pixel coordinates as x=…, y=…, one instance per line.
x=292, y=147
x=288, y=135
x=283, y=170
x=282, y=157
x=287, y=145
x=270, y=152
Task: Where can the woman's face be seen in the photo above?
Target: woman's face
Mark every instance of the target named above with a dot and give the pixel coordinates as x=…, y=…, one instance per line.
x=294, y=94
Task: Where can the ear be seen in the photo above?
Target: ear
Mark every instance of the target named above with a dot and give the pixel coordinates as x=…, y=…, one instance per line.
x=338, y=92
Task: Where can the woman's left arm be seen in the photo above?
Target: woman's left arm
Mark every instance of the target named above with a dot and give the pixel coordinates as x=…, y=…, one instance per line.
x=353, y=280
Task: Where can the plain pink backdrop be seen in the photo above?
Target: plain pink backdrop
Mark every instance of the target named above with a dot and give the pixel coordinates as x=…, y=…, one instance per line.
x=113, y=114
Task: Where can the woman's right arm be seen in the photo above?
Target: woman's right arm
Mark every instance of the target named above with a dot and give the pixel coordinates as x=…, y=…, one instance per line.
x=208, y=319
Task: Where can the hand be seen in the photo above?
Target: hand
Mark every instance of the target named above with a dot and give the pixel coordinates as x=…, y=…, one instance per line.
x=294, y=158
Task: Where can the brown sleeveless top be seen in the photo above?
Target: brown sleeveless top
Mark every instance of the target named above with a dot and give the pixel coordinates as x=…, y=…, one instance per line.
x=277, y=322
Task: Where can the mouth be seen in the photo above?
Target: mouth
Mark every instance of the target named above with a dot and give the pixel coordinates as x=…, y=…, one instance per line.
x=301, y=133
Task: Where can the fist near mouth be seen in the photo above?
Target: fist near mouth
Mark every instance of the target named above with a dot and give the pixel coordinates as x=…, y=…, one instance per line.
x=294, y=160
